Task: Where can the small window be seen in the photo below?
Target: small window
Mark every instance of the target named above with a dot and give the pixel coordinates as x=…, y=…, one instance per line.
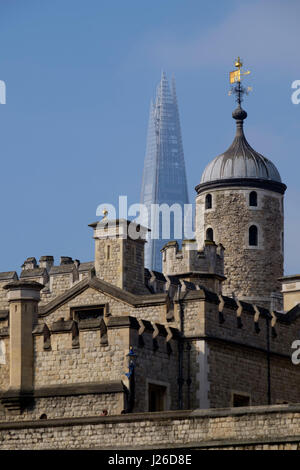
x=210, y=234
x=208, y=201
x=253, y=236
x=87, y=313
x=108, y=252
x=240, y=400
x=157, y=396
x=253, y=199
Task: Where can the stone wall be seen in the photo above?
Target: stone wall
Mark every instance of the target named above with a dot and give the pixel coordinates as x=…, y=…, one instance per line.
x=4, y=361
x=69, y=406
x=156, y=363
x=155, y=312
x=98, y=355
x=119, y=259
x=242, y=371
x=252, y=272
x=134, y=275
x=190, y=259
x=275, y=427
x=290, y=291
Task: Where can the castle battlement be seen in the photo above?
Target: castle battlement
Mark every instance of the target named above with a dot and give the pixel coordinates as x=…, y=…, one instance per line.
x=56, y=279
x=204, y=266
x=78, y=322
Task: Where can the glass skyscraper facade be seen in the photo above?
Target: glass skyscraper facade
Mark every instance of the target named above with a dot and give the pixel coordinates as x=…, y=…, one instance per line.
x=164, y=177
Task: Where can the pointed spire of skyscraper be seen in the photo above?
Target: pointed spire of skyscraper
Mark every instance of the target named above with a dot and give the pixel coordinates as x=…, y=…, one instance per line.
x=164, y=177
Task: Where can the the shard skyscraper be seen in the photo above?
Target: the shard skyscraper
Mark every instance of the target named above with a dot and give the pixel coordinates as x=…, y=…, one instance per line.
x=164, y=177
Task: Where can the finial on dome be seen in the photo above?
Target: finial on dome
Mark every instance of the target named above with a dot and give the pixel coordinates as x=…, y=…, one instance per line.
x=237, y=89
x=239, y=113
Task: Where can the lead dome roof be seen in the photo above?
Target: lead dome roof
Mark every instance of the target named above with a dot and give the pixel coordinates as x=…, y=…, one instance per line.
x=240, y=160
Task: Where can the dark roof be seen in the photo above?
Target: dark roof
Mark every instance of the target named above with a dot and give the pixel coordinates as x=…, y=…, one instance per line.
x=87, y=266
x=36, y=272
x=289, y=316
x=159, y=276
x=147, y=273
x=189, y=285
x=174, y=280
x=240, y=161
x=63, y=269
x=8, y=275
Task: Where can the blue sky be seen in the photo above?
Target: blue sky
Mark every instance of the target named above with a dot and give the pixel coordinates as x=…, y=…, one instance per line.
x=80, y=75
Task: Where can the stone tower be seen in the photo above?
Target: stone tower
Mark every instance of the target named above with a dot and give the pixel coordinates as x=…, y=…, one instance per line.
x=240, y=205
x=119, y=254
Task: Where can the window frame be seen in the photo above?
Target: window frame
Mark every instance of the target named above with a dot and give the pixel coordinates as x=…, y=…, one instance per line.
x=167, y=395
x=256, y=199
x=253, y=245
x=208, y=197
x=74, y=310
x=206, y=237
x=241, y=394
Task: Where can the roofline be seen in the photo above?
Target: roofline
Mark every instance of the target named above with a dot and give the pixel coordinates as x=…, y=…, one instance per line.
x=290, y=277
x=106, y=288
x=275, y=186
x=107, y=222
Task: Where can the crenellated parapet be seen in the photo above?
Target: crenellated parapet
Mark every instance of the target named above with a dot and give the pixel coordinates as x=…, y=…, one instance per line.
x=205, y=267
x=6, y=277
x=56, y=279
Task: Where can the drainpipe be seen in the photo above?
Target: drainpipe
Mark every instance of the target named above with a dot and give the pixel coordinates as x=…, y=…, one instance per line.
x=180, y=379
x=189, y=380
x=268, y=359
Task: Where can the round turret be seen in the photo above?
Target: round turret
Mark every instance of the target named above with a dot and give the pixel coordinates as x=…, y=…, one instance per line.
x=240, y=204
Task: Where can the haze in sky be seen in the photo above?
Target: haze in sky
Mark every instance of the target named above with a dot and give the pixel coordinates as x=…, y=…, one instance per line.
x=79, y=77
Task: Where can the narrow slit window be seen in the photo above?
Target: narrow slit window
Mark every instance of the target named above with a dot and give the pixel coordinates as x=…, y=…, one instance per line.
x=208, y=201
x=253, y=199
x=210, y=234
x=253, y=235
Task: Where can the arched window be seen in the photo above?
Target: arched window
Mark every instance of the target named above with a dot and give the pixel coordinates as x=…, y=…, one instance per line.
x=210, y=234
x=253, y=235
x=208, y=201
x=253, y=199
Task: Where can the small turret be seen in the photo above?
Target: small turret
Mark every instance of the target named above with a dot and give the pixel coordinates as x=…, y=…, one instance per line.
x=119, y=254
x=202, y=267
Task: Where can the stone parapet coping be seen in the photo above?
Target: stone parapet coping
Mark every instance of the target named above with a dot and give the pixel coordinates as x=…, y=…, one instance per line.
x=63, y=390
x=183, y=427
x=157, y=416
x=78, y=389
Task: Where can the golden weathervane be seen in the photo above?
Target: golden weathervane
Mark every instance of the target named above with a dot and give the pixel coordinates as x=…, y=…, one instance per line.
x=235, y=76
x=235, y=79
